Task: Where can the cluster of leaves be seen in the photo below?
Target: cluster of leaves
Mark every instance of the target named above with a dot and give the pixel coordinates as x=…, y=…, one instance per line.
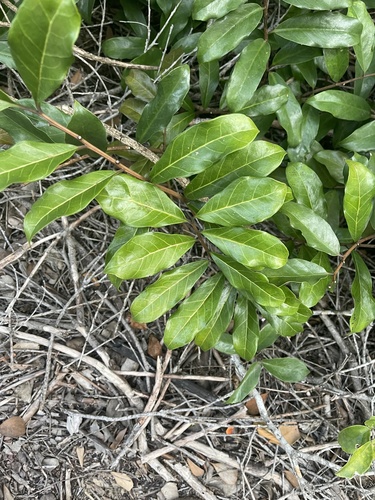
x=236, y=189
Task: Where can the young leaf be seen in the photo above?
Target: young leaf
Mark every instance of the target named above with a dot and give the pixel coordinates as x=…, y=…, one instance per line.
x=257, y=159
x=194, y=313
x=41, y=39
x=209, y=335
x=359, y=193
x=208, y=81
x=64, y=198
x=247, y=74
x=341, y=105
x=203, y=10
x=267, y=100
x=246, y=201
x=87, y=125
x=170, y=95
x=246, y=329
x=249, y=247
x=359, y=463
x=147, y=254
x=31, y=161
x=364, y=303
x=307, y=187
x=251, y=284
x=321, y=29
x=138, y=203
x=296, y=271
x=316, y=231
x=286, y=369
x=224, y=35
x=199, y=147
x=247, y=384
x=362, y=139
x=164, y=294
x=352, y=437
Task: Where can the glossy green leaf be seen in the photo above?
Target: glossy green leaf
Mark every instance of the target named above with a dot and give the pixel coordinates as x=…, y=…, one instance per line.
x=321, y=29
x=199, y=147
x=362, y=139
x=88, y=126
x=364, y=303
x=194, y=313
x=267, y=336
x=291, y=53
x=337, y=62
x=64, y=198
x=334, y=161
x=257, y=159
x=247, y=74
x=133, y=108
x=249, y=247
x=6, y=56
x=248, y=383
x=138, y=203
x=203, y=10
x=124, y=47
x=359, y=193
x=147, y=254
x=267, y=100
x=316, y=231
x=31, y=161
x=360, y=462
x=177, y=19
x=164, y=294
x=85, y=8
x=307, y=187
x=224, y=35
x=208, y=80
x=341, y=105
x=246, y=201
x=352, y=437
x=289, y=307
x=41, y=39
x=311, y=293
x=21, y=127
x=286, y=369
x=296, y=271
x=253, y=285
x=225, y=344
x=364, y=50
x=209, y=335
x=320, y=4
x=177, y=125
x=170, y=94
x=245, y=329
x=135, y=17
x=141, y=84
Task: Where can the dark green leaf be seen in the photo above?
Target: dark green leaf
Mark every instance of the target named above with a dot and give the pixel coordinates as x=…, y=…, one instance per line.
x=194, y=313
x=246, y=201
x=170, y=94
x=204, y=10
x=364, y=303
x=359, y=463
x=87, y=125
x=352, y=437
x=341, y=105
x=177, y=19
x=164, y=294
x=248, y=383
x=286, y=369
x=199, y=147
x=224, y=35
x=133, y=108
x=41, y=39
x=123, y=47
x=147, y=254
x=320, y=4
x=307, y=187
x=334, y=161
x=85, y=8
x=64, y=198
x=31, y=161
x=245, y=329
x=208, y=80
x=6, y=56
x=225, y=344
x=177, y=125
x=267, y=337
x=141, y=84
x=267, y=100
x=321, y=29
x=362, y=139
x=296, y=271
x=291, y=53
x=138, y=203
x=20, y=126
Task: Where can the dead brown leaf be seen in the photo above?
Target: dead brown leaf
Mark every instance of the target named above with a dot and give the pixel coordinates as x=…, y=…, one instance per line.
x=154, y=348
x=226, y=473
x=252, y=407
x=195, y=469
x=13, y=427
x=123, y=480
x=80, y=454
x=292, y=478
x=290, y=433
x=7, y=494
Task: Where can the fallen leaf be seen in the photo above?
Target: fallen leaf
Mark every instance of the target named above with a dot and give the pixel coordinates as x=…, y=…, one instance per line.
x=252, y=407
x=229, y=431
x=136, y=325
x=226, y=473
x=118, y=439
x=290, y=433
x=76, y=77
x=154, y=348
x=292, y=478
x=195, y=469
x=13, y=427
x=80, y=454
x=123, y=480
x=7, y=494
x=267, y=435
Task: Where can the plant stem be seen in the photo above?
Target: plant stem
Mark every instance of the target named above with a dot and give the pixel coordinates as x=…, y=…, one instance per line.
x=348, y=252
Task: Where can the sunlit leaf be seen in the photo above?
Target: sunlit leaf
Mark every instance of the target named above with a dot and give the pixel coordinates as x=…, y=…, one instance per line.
x=352, y=437
x=342, y=105
x=204, y=10
x=267, y=100
x=359, y=463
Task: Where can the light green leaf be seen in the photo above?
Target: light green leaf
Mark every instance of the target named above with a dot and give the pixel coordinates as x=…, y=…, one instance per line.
x=364, y=303
x=225, y=344
x=249, y=247
x=334, y=161
x=341, y=105
x=311, y=293
x=246, y=201
x=194, y=313
x=199, y=147
x=362, y=139
x=321, y=29
x=370, y=423
x=316, y=231
x=267, y=100
x=141, y=85
x=224, y=35
x=147, y=254
x=364, y=50
x=41, y=39
x=359, y=193
x=289, y=307
x=286, y=369
x=203, y=10
x=164, y=294
x=307, y=187
x=296, y=271
x=360, y=462
x=247, y=74
x=352, y=437
x=320, y=4
x=245, y=329
x=253, y=285
x=138, y=203
x=248, y=383
x=337, y=62
x=208, y=80
x=64, y=198
x=31, y=161
x=87, y=125
x=257, y=159
x=208, y=337
x=170, y=95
